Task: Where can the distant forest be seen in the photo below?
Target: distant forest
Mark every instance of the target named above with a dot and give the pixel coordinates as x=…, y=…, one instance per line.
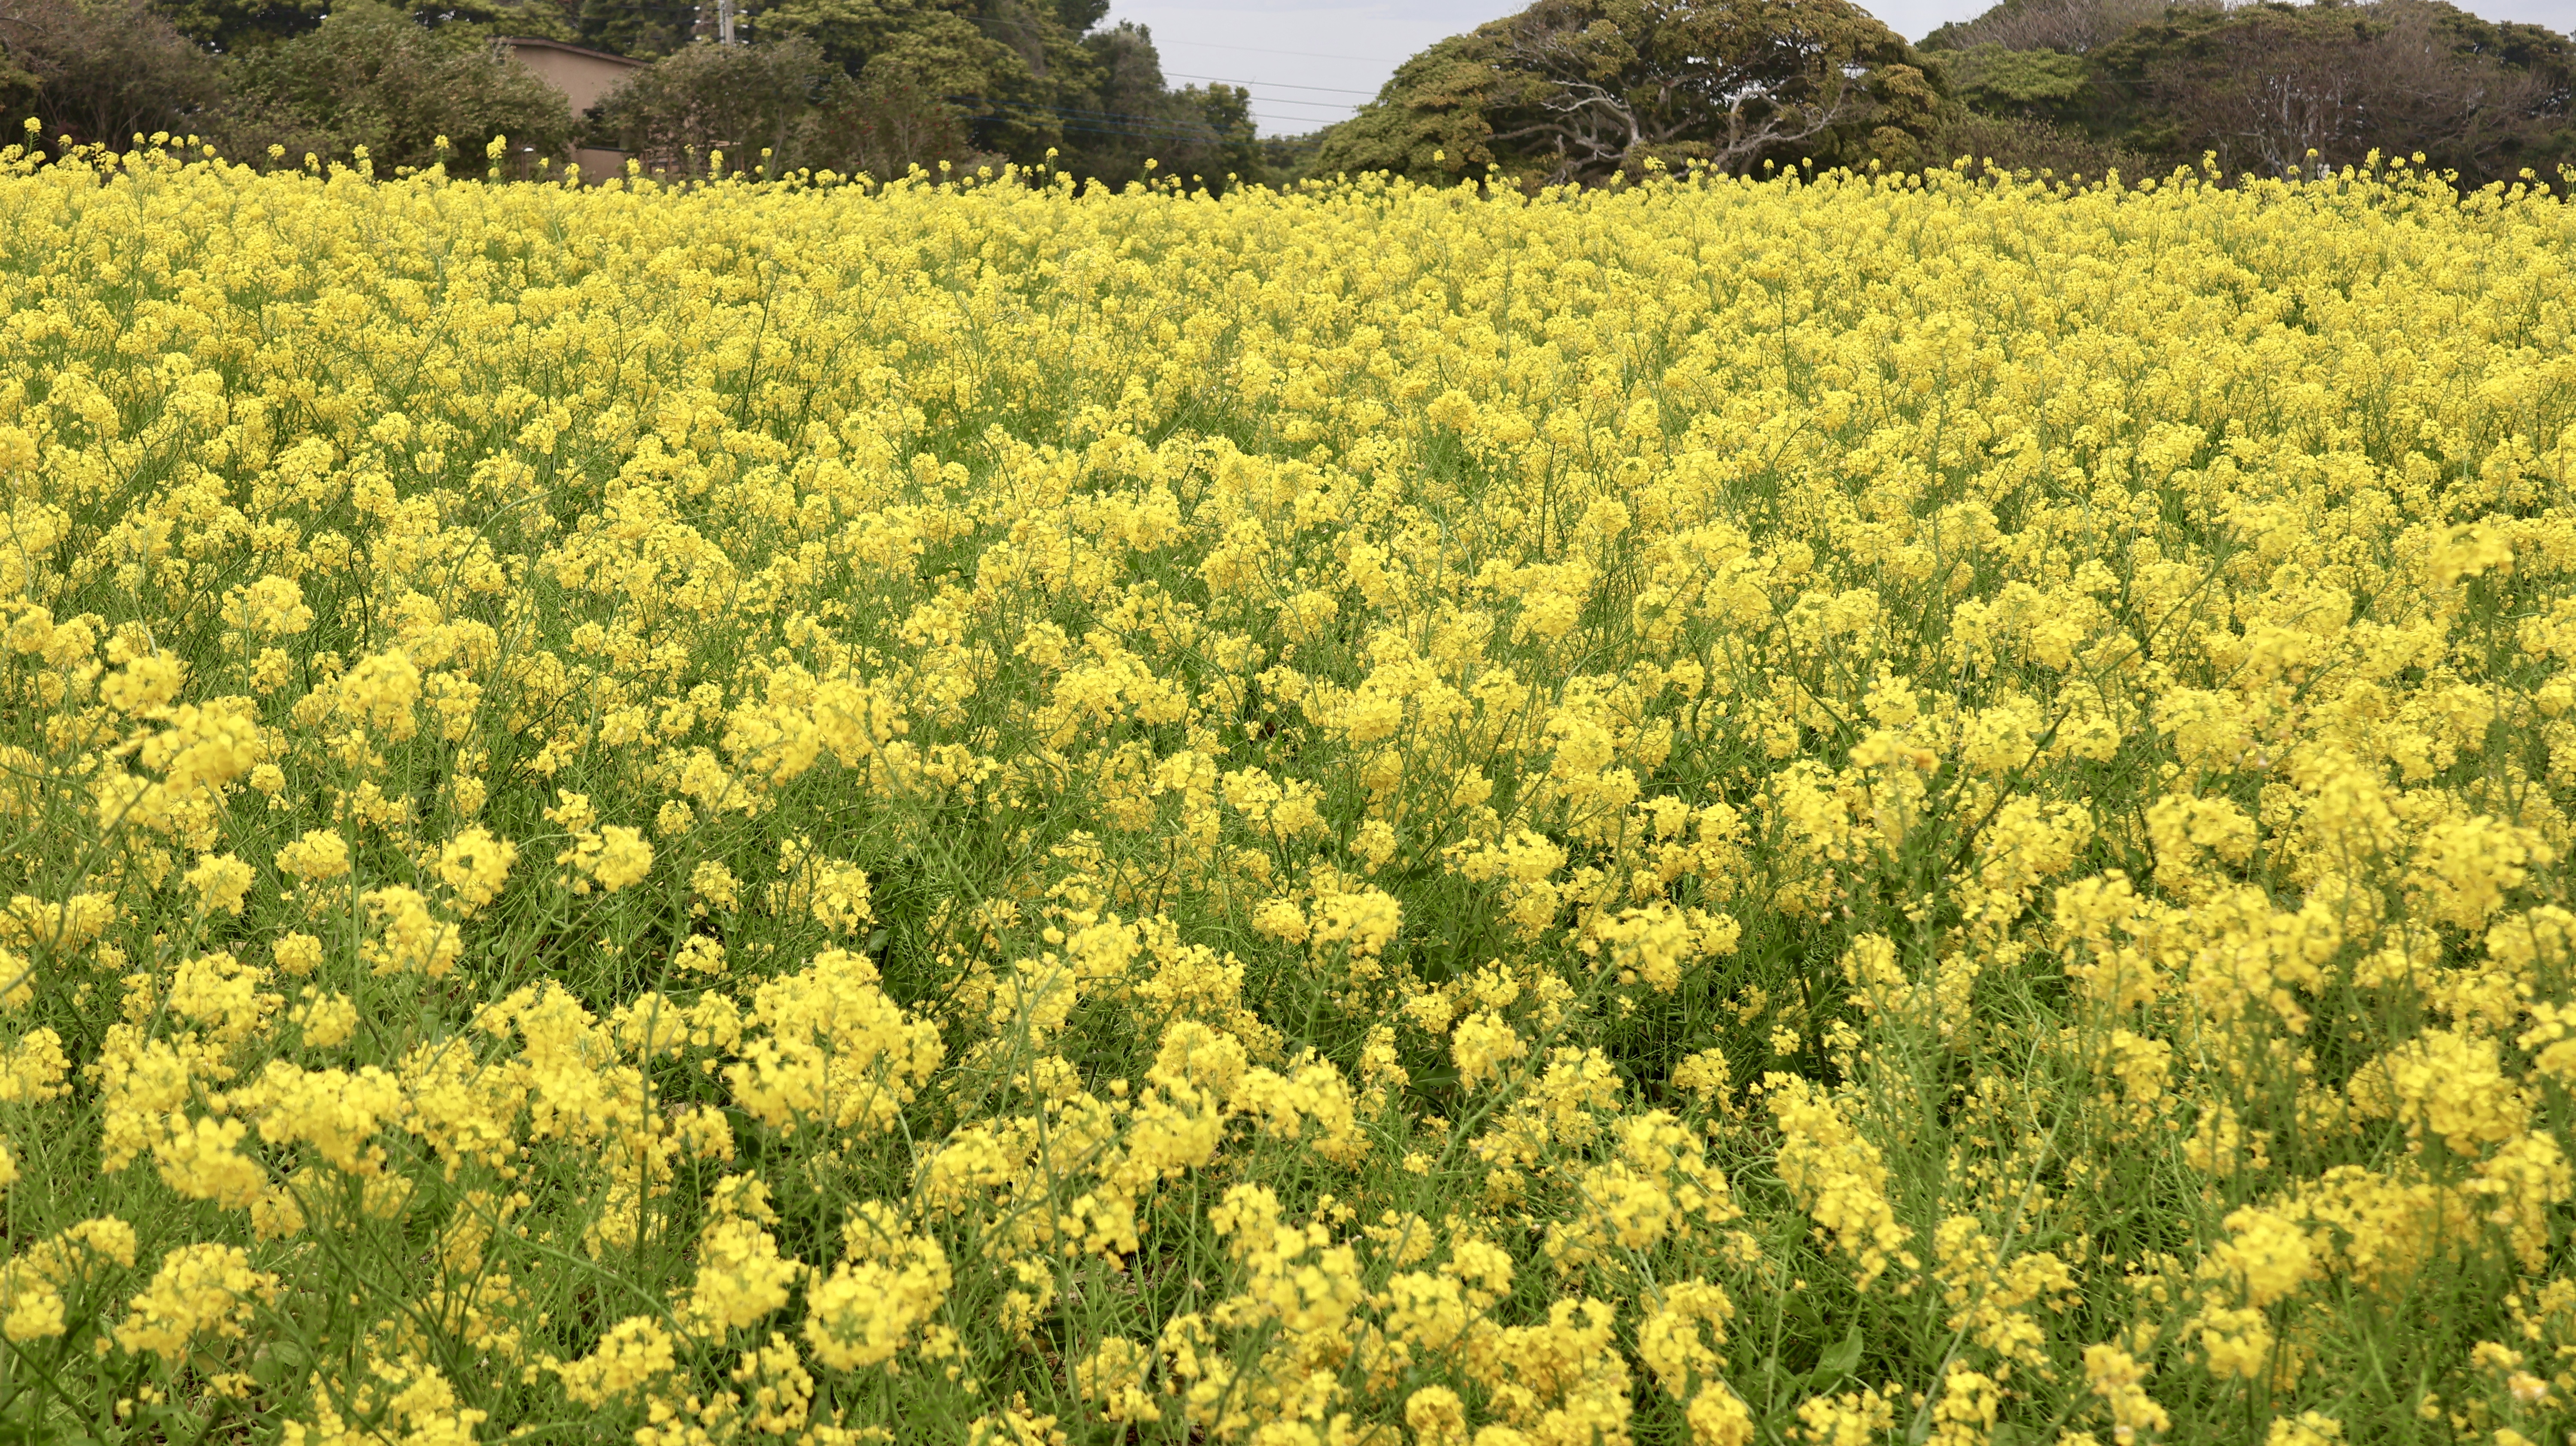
x=847, y=85
x=1564, y=92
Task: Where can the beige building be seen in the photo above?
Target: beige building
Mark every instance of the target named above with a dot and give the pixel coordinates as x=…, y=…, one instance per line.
x=585, y=77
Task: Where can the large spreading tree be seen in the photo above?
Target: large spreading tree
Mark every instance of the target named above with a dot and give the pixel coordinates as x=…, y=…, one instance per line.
x=1584, y=90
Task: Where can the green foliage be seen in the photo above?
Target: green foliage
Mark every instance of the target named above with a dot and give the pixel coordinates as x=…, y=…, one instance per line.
x=776, y=107
x=1226, y=110
x=240, y=26
x=1286, y=160
x=874, y=83
x=644, y=29
x=100, y=70
x=1130, y=117
x=2010, y=144
x=2005, y=82
x=370, y=76
x=741, y=99
x=882, y=129
x=2073, y=26
x=231, y=25
x=932, y=42
x=2269, y=88
x=1036, y=83
x=1430, y=118
x=1585, y=90
x=1013, y=67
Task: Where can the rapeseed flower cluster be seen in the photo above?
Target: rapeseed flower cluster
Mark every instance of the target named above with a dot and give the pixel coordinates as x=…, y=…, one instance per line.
x=1720, y=811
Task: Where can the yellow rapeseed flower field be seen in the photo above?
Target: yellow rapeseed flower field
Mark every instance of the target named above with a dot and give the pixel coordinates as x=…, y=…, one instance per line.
x=1835, y=810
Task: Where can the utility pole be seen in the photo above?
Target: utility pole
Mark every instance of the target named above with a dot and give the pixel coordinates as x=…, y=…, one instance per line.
x=724, y=22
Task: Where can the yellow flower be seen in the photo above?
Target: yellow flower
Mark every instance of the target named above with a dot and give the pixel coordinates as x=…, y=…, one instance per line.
x=1246, y=769
x=380, y=692
x=624, y=858
x=298, y=954
x=1671, y=1343
x=272, y=607
x=32, y=1303
x=633, y=1353
x=221, y=881
x=2118, y=1379
x=409, y=935
x=1113, y=1377
x=1838, y=1176
x=200, y=1290
x=741, y=1276
x=474, y=864
x=1482, y=1044
x=317, y=856
x=868, y=1307
x=398, y=1393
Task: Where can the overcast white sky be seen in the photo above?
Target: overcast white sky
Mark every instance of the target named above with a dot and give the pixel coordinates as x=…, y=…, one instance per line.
x=1308, y=62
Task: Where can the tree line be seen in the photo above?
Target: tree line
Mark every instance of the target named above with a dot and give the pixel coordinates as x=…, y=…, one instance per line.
x=2263, y=88
x=1563, y=92
x=852, y=86
x=1588, y=91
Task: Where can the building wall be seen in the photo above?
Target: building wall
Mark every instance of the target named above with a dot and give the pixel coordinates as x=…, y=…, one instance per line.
x=598, y=165
x=583, y=79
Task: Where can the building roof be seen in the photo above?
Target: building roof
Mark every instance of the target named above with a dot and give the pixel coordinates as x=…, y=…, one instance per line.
x=534, y=43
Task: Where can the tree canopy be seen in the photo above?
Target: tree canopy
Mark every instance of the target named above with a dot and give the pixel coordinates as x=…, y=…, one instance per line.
x=2269, y=88
x=1584, y=90
x=873, y=84
x=369, y=76
x=100, y=68
x=1588, y=90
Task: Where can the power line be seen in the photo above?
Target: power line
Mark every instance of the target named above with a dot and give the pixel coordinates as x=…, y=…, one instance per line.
x=1095, y=122
x=1272, y=84
x=1160, y=122
x=1266, y=50
x=1338, y=107
x=1260, y=107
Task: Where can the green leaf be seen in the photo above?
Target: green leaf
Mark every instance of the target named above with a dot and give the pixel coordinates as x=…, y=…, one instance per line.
x=1836, y=1363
